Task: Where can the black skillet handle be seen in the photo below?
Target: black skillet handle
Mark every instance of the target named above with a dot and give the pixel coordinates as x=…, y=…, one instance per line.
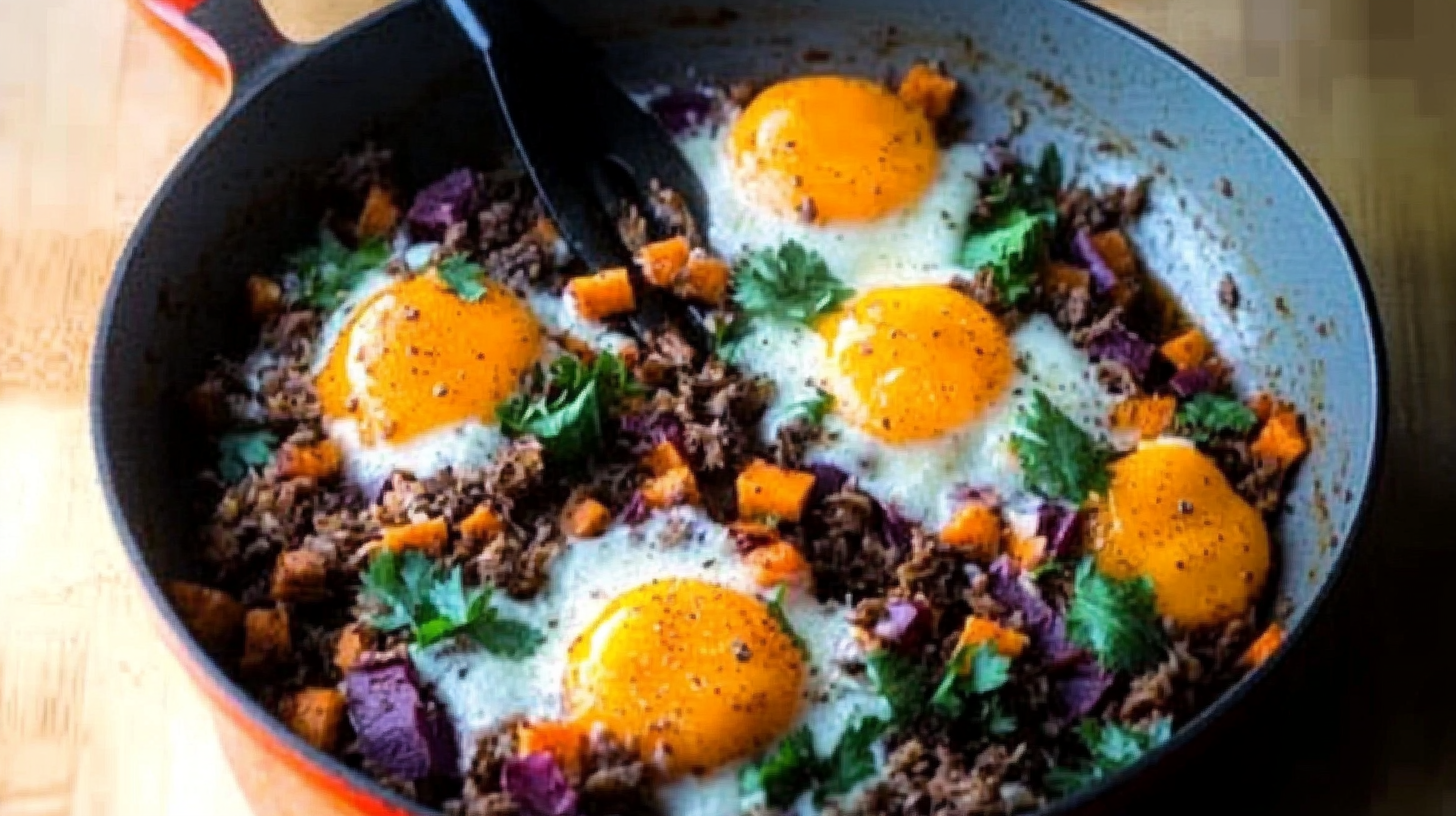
x=220, y=37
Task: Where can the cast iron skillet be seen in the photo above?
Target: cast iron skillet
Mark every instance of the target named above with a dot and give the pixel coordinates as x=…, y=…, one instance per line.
x=1229, y=198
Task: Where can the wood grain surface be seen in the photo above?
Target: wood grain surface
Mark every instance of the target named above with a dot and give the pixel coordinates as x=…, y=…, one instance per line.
x=96, y=719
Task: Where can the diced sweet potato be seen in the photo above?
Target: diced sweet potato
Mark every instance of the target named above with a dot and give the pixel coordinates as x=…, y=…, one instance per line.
x=564, y=741
x=677, y=486
x=354, y=640
x=1282, y=439
x=975, y=528
x=1029, y=551
x=663, y=261
x=1150, y=416
x=769, y=491
x=380, y=214
x=1116, y=250
x=428, y=537
x=1263, y=406
x=265, y=297
x=211, y=615
x=778, y=563
x=1060, y=278
x=663, y=457
x=483, y=523
x=978, y=630
x=585, y=518
x=315, y=714
x=705, y=279
x=300, y=576
x=928, y=89
x=1187, y=350
x=267, y=643
x=1264, y=646
x=605, y=294
x=320, y=460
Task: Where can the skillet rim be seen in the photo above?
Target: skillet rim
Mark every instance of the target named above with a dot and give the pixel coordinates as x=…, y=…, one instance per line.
x=291, y=58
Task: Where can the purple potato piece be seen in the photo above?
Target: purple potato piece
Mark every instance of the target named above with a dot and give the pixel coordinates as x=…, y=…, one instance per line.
x=538, y=786
x=906, y=624
x=399, y=728
x=1120, y=345
x=1190, y=382
x=442, y=204
x=1103, y=278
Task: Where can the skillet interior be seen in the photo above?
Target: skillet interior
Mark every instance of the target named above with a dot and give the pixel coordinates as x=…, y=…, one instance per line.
x=240, y=199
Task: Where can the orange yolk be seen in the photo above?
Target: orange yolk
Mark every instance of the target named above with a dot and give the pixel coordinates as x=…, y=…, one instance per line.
x=699, y=674
x=912, y=363
x=1171, y=515
x=415, y=357
x=832, y=148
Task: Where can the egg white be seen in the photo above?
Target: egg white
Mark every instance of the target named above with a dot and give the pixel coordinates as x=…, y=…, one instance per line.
x=481, y=690
x=472, y=443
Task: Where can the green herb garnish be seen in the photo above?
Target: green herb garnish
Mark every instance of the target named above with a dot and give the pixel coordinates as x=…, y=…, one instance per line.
x=1058, y=459
x=812, y=410
x=464, y=277
x=571, y=402
x=241, y=451
x=1207, y=415
x=903, y=683
x=793, y=767
x=328, y=272
x=1117, y=620
x=1011, y=235
x=997, y=721
x=412, y=592
x=776, y=611
x=1112, y=747
x=972, y=671
x=791, y=283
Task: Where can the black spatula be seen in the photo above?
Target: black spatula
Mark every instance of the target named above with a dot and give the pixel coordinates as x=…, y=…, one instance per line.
x=586, y=145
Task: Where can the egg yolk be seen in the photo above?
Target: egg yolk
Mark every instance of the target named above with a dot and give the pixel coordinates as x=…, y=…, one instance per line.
x=831, y=148
x=1171, y=515
x=699, y=674
x=415, y=357
x=914, y=362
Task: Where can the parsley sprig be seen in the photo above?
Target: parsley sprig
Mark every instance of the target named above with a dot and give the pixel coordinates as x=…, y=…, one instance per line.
x=411, y=592
x=1117, y=620
x=241, y=451
x=902, y=682
x=1112, y=746
x=776, y=611
x=972, y=671
x=1208, y=415
x=568, y=404
x=325, y=274
x=464, y=277
x=1059, y=460
x=813, y=409
x=1011, y=234
x=791, y=283
x=794, y=767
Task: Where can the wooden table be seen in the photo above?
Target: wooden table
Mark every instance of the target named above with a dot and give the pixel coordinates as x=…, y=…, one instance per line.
x=96, y=718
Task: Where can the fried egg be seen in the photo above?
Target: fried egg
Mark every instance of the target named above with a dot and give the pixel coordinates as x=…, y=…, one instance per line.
x=1170, y=514
x=660, y=632
x=409, y=374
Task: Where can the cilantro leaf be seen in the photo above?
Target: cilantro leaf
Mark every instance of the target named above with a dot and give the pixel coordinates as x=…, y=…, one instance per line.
x=814, y=409
x=791, y=283
x=1112, y=746
x=784, y=773
x=997, y=721
x=776, y=611
x=572, y=401
x=970, y=672
x=410, y=592
x=1207, y=415
x=853, y=760
x=1117, y=620
x=326, y=273
x=464, y=277
x=1011, y=233
x=1013, y=245
x=900, y=681
x=1058, y=459
x=241, y=451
